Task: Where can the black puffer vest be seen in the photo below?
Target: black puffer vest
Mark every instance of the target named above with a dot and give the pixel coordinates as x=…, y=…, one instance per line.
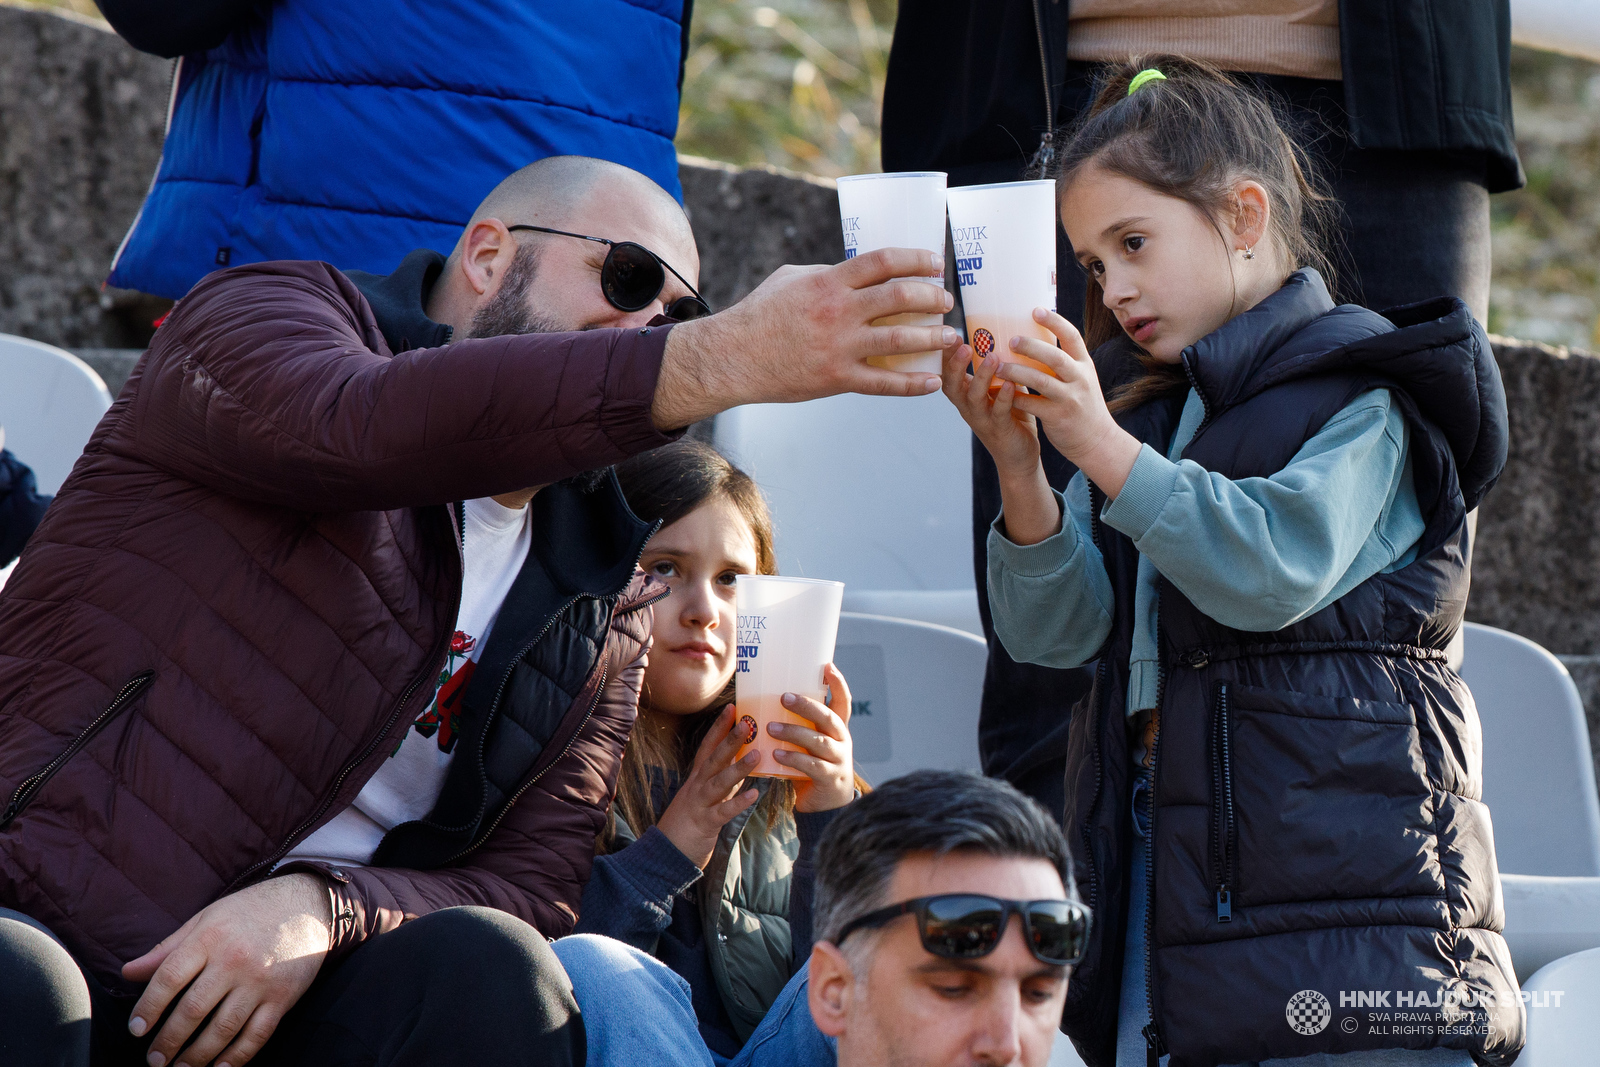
x=1320, y=852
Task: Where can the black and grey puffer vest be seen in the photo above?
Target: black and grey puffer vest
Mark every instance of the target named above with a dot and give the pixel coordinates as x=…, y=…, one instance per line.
x=1318, y=833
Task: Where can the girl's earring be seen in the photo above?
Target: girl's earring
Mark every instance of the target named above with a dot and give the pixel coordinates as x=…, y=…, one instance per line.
x=1249, y=253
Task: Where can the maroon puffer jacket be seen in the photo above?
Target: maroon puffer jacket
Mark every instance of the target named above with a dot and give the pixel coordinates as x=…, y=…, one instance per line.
x=243, y=593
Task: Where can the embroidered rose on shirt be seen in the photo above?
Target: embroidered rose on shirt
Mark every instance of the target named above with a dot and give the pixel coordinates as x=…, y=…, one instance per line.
x=443, y=715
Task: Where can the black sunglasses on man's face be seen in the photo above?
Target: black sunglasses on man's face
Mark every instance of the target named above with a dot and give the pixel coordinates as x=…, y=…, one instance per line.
x=633, y=276
x=964, y=926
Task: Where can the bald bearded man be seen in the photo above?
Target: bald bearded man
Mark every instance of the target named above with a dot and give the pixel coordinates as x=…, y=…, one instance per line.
x=315, y=679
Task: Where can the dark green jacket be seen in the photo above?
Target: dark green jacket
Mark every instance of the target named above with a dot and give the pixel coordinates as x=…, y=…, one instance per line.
x=736, y=932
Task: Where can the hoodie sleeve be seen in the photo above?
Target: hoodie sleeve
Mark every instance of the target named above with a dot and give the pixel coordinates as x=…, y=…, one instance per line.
x=1051, y=602
x=1258, y=554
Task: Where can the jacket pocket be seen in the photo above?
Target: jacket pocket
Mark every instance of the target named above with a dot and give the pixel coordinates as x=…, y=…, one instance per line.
x=1224, y=828
x=1321, y=798
x=30, y=786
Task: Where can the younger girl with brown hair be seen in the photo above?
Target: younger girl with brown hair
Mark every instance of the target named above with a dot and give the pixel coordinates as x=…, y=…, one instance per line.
x=711, y=876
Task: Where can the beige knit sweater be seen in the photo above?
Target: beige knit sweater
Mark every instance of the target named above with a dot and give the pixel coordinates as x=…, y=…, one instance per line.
x=1294, y=37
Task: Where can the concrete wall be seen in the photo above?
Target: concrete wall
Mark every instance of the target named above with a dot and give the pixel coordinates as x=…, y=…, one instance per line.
x=81, y=122
x=81, y=119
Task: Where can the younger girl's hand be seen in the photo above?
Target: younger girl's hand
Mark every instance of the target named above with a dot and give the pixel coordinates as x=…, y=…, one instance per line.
x=1069, y=404
x=709, y=797
x=1010, y=435
x=827, y=758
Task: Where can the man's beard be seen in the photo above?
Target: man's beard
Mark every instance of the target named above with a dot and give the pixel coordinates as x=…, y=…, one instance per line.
x=510, y=312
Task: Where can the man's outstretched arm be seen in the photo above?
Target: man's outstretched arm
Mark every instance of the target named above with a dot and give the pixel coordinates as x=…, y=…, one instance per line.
x=804, y=333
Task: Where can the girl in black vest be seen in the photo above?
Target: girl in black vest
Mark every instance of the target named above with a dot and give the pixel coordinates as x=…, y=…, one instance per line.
x=1273, y=788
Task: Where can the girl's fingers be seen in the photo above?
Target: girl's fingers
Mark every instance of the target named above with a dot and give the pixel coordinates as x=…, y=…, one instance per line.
x=1071, y=340
x=819, y=745
x=839, y=701
x=729, y=808
x=818, y=770
x=978, y=384
x=722, y=784
x=720, y=728
x=815, y=710
x=1048, y=354
x=1046, y=385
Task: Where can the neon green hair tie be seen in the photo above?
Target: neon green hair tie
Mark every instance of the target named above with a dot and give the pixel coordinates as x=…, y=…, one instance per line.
x=1145, y=77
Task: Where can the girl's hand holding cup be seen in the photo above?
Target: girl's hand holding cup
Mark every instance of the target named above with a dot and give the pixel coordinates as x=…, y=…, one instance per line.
x=827, y=760
x=1069, y=404
x=710, y=796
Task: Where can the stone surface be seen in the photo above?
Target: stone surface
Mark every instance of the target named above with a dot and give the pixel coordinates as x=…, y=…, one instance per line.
x=1536, y=562
x=1585, y=671
x=749, y=222
x=81, y=123
x=112, y=364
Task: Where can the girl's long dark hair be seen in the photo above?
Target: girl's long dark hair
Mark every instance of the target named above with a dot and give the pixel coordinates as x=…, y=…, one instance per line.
x=1194, y=136
x=666, y=484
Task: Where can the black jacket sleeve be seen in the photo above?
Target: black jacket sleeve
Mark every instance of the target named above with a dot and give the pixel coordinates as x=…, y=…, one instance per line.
x=176, y=27
x=21, y=506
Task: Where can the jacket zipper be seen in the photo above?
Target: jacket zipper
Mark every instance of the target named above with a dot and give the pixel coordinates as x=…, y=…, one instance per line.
x=599, y=692
x=1222, y=789
x=29, y=788
x=327, y=801
x=1047, y=146
x=1094, y=749
x=1154, y=1045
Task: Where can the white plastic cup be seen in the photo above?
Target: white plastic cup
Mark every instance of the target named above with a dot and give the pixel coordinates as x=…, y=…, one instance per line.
x=1005, y=250
x=786, y=631
x=902, y=210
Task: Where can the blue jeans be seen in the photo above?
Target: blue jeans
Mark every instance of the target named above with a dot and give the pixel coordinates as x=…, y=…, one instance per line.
x=636, y=1010
x=1133, y=1012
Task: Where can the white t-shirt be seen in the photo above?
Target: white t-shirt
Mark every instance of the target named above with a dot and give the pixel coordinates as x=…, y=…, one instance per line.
x=407, y=786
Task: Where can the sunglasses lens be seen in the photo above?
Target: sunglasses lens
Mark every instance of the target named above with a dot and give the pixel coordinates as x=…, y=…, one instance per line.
x=631, y=277
x=687, y=307
x=1059, y=930
x=961, y=927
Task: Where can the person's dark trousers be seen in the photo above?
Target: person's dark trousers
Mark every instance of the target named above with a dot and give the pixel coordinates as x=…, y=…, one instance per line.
x=459, y=986
x=1412, y=226
x=46, y=1001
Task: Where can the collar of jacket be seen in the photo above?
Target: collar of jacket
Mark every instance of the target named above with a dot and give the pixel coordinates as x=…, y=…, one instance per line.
x=1434, y=350
x=584, y=544
x=398, y=301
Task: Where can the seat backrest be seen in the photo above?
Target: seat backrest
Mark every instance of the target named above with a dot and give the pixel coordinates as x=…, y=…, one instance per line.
x=50, y=403
x=1538, y=773
x=871, y=491
x=1563, y=1026
x=914, y=690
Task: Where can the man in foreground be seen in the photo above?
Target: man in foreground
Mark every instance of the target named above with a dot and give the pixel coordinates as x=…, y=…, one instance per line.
x=946, y=934
x=239, y=607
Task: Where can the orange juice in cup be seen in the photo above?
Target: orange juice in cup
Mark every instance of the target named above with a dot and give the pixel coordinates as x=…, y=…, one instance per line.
x=1005, y=251
x=785, y=635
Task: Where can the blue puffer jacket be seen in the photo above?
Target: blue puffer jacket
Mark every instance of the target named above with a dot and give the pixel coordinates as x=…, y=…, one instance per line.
x=354, y=131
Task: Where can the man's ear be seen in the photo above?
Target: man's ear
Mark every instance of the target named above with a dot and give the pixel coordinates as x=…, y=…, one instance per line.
x=1252, y=213
x=830, y=989
x=487, y=250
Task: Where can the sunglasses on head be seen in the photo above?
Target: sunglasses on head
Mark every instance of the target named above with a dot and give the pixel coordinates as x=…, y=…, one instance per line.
x=633, y=276
x=964, y=926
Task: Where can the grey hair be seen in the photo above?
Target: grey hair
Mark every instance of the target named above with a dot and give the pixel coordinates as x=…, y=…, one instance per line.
x=925, y=811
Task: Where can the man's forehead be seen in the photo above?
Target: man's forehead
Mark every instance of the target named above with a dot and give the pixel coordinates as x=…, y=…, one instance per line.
x=926, y=874
x=617, y=212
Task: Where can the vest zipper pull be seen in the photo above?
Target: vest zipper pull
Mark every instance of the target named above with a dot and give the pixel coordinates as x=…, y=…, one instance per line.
x=1152, y=1046
x=1224, y=905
